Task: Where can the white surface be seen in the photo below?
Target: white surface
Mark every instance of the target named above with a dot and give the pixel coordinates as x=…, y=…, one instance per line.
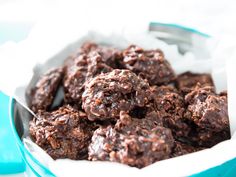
x=232, y=90
x=212, y=16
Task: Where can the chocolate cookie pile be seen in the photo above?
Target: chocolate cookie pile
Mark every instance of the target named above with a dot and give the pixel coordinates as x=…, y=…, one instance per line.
x=126, y=106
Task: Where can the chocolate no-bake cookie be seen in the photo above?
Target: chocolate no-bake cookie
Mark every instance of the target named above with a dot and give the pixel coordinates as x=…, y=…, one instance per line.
x=170, y=104
x=90, y=60
x=108, y=94
x=82, y=68
x=149, y=121
x=209, y=113
x=131, y=142
x=189, y=80
x=64, y=133
x=150, y=64
x=110, y=56
x=207, y=109
x=42, y=95
x=75, y=77
x=96, y=65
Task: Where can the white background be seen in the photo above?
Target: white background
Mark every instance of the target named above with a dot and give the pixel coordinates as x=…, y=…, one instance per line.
x=212, y=16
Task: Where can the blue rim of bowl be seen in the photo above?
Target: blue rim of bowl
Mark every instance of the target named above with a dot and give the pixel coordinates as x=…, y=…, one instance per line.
x=21, y=145
x=180, y=27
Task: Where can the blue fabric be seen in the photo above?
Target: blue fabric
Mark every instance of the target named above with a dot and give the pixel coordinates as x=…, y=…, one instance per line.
x=10, y=158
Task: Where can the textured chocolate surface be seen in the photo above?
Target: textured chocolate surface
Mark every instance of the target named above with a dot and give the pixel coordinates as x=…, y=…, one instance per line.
x=131, y=142
x=108, y=94
x=150, y=64
x=182, y=149
x=84, y=67
x=209, y=113
x=42, y=95
x=64, y=133
x=207, y=109
x=190, y=80
x=170, y=104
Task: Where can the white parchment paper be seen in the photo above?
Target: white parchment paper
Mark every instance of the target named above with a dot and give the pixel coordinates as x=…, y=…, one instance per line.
x=48, y=47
